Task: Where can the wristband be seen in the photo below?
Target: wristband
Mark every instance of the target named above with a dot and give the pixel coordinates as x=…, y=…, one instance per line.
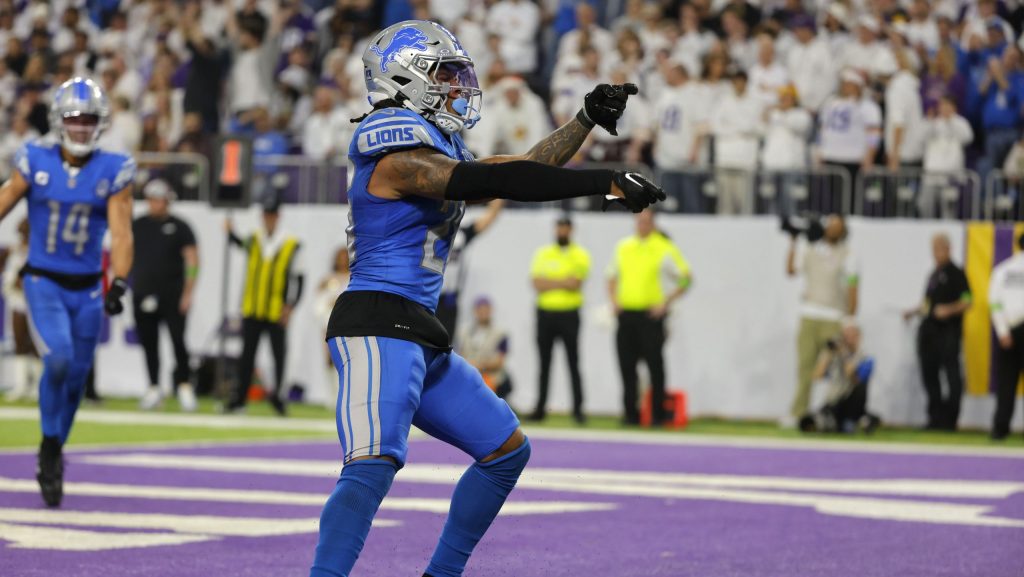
x=584, y=119
x=191, y=272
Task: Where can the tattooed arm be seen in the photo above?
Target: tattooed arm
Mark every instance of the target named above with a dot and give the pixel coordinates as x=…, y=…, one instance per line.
x=556, y=149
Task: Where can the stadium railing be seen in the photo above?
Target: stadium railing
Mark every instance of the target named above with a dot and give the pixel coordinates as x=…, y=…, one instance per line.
x=915, y=193
x=1003, y=197
x=694, y=190
x=188, y=173
x=304, y=180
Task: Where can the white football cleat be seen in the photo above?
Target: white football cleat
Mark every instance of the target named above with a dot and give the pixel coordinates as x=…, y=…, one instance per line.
x=152, y=400
x=187, y=398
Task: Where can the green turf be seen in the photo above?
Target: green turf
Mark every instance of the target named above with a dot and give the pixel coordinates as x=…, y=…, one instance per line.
x=16, y=433
x=710, y=426
x=25, y=432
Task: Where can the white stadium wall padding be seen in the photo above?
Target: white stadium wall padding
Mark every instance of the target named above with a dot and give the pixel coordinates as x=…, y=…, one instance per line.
x=732, y=344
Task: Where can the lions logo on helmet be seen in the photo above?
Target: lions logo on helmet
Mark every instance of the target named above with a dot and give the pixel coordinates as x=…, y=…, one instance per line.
x=79, y=114
x=405, y=38
x=423, y=66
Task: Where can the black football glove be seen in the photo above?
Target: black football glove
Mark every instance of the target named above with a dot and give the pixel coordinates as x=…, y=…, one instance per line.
x=604, y=105
x=112, y=304
x=639, y=193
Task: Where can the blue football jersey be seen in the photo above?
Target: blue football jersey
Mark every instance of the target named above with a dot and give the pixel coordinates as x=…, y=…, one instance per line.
x=399, y=246
x=67, y=206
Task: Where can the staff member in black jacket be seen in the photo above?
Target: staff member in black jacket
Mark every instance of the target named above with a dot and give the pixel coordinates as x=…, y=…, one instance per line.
x=273, y=286
x=163, y=275
x=947, y=296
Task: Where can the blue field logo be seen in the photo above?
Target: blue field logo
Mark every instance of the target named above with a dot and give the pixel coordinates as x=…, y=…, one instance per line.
x=405, y=38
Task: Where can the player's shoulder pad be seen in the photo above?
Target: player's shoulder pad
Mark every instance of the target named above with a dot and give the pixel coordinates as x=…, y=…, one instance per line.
x=123, y=166
x=390, y=129
x=26, y=155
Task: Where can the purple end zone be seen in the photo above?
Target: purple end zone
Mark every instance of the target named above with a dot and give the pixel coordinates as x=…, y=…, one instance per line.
x=645, y=527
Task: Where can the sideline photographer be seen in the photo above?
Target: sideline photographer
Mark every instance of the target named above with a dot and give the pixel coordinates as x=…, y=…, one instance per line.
x=830, y=295
x=848, y=371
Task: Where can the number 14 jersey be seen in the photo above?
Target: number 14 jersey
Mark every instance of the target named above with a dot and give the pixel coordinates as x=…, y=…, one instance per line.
x=399, y=246
x=67, y=206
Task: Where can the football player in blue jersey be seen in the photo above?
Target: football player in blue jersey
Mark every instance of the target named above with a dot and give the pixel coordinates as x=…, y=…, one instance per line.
x=413, y=178
x=75, y=192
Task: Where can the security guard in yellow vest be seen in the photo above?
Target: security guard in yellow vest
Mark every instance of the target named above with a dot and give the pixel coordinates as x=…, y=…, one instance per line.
x=635, y=276
x=273, y=286
x=558, y=272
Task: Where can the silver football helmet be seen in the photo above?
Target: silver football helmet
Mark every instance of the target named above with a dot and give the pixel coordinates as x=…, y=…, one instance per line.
x=425, y=68
x=79, y=114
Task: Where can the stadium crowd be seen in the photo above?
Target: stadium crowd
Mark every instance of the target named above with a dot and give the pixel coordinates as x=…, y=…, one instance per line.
x=727, y=86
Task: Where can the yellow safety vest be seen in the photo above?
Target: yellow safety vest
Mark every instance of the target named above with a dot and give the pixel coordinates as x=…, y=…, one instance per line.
x=556, y=263
x=639, y=266
x=266, y=280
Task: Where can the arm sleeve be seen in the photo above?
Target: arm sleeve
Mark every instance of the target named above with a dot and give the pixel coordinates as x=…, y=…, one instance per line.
x=852, y=269
x=21, y=163
x=125, y=175
x=995, y=301
x=524, y=181
x=188, y=238
x=677, y=266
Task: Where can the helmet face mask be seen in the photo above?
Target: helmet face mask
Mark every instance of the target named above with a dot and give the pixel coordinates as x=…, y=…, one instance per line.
x=424, y=67
x=80, y=113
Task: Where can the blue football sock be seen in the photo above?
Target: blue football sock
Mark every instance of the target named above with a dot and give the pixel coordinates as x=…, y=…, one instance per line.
x=347, y=516
x=74, y=390
x=478, y=497
x=51, y=394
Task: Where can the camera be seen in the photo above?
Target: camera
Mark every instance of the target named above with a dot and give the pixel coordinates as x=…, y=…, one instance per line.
x=808, y=224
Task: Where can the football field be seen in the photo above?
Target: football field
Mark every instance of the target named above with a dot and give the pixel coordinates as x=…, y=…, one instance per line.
x=610, y=503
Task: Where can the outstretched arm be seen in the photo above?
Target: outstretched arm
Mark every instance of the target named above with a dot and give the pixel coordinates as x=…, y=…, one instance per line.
x=601, y=107
x=554, y=150
x=11, y=192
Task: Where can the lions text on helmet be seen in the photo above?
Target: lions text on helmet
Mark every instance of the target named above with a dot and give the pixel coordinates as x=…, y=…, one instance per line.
x=423, y=67
x=79, y=114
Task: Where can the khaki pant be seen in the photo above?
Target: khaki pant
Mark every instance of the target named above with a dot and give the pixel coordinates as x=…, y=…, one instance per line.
x=813, y=338
x=734, y=187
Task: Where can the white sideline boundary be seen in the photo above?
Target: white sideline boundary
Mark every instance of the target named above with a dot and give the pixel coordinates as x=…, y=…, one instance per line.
x=579, y=435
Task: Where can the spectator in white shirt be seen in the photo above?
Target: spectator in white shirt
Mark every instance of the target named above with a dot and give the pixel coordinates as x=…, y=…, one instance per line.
x=694, y=41
x=767, y=76
x=587, y=33
x=20, y=133
x=787, y=129
x=904, y=118
x=675, y=126
x=835, y=28
x=318, y=141
x=978, y=19
x=811, y=65
x=945, y=134
x=922, y=31
x=575, y=84
x=125, y=131
x=737, y=39
x=516, y=22
x=249, y=82
x=1006, y=301
x=850, y=131
x=736, y=125
x=867, y=52
x=516, y=119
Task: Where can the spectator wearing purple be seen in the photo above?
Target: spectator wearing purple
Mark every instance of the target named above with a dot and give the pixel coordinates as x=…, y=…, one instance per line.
x=1002, y=93
x=943, y=79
